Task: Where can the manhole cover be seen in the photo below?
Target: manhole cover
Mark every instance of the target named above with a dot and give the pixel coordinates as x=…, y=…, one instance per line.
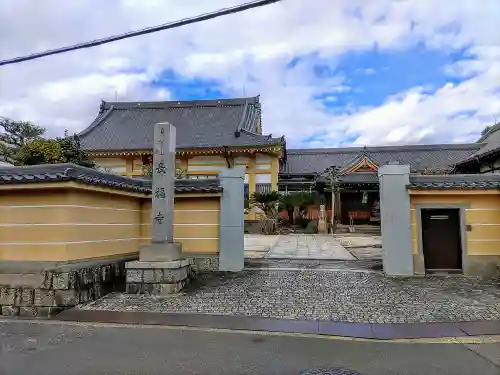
x=329, y=371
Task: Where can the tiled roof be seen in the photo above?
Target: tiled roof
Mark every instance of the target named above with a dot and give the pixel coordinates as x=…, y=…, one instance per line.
x=455, y=181
x=419, y=157
x=199, y=123
x=72, y=172
x=360, y=177
x=490, y=143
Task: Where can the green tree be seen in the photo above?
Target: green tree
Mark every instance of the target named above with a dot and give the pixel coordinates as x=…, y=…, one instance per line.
x=53, y=151
x=296, y=201
x=72, y=151
x=269, y=203
x=332, y=173
x=15, y=135
x=23, y=143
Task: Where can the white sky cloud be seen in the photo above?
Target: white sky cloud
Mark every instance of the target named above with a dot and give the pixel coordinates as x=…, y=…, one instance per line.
x=65, y=91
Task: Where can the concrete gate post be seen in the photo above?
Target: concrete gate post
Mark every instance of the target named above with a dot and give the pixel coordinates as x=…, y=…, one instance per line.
x=395, y=216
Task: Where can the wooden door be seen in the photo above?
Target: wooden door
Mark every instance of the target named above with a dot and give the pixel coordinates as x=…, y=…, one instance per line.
x=441, y=239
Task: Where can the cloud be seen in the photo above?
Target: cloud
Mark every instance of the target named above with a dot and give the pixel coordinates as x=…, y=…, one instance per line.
x=251, y=53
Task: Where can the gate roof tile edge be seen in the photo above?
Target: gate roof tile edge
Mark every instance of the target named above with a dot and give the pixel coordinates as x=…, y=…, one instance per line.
x=455, y=181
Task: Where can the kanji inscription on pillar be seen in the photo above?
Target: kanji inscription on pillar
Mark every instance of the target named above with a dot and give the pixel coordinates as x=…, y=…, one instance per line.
x=163, y=183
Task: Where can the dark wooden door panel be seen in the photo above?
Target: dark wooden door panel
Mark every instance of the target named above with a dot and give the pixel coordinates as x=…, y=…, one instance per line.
x=441, y=239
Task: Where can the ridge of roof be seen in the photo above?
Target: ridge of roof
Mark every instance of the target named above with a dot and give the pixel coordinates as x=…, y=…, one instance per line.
x=179, y=103
x=368, y=149
x=493, y=129
x=101, y=116
x=490, y=145
x=251, y=133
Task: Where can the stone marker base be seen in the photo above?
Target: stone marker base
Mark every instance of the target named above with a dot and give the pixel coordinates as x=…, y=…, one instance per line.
x=158, y=278
x=47, y=292
x=160, y=252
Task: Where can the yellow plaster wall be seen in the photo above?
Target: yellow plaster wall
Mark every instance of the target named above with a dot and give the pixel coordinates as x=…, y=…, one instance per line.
x=80, y=222
x=196, y=223
x=207, y=165
x=483, y=215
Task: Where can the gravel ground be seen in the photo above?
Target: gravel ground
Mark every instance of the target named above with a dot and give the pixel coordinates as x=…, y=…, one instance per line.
x=343, y=296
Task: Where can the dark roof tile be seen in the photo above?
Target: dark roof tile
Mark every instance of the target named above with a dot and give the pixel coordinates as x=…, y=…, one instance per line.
x=455, y=181
x=490, y=144
x=199, y=123
x=419, y=157
x=72, y=172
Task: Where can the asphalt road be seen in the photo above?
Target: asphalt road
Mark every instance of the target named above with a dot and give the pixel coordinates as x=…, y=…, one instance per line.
x=54, y=348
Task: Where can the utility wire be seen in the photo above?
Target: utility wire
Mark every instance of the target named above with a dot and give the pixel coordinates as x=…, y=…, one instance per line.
x=148, y=30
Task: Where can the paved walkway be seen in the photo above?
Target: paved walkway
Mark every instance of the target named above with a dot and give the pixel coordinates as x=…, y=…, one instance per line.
x=304, y=246
x=312, y=246
x=361, y=297
x=258, y=245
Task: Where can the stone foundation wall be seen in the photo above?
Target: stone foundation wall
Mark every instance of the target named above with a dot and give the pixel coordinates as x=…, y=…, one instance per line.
x=46, y=293
x=159, y=278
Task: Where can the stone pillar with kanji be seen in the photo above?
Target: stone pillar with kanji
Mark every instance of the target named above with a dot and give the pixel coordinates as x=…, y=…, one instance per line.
x=161, y=268
x=162, y=247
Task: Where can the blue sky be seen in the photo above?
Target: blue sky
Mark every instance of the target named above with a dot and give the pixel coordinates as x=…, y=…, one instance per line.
x=370, y=76
x=349, y=72
x=373, y=76
x=369, y=79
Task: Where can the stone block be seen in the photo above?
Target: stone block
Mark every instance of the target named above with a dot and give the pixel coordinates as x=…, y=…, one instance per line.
x=134, y=276
x=10, y=311
x=73, y=280
x=27, y=297
x=44, y=297
x=46, y=312
x=27, y=280
x=149, y=276
x=99, y=290
x=28, y=311
x=8, y=296
x=133, y=288
x=69, y=297
x=106, y=274
x=155, y=265
x=96, y=273
x=148, y=288
x=169, y=276
x=87, y=277
x=84, y=295
x=61, y=280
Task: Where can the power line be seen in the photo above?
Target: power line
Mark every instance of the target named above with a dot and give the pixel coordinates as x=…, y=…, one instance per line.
x=148, y=30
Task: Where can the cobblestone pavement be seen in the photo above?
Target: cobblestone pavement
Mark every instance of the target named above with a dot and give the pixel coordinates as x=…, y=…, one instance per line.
x=325, y=295
x=313, y=246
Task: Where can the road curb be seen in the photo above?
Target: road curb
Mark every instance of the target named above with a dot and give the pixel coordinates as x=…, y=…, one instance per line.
x=378, y=331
